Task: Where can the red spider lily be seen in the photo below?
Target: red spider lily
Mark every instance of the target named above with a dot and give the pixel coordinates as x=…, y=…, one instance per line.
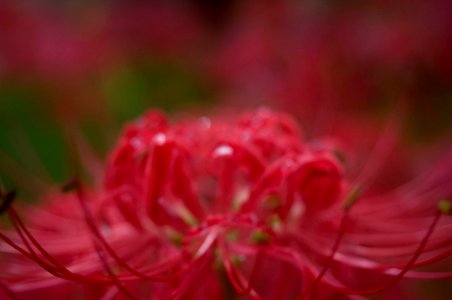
x=225, y=209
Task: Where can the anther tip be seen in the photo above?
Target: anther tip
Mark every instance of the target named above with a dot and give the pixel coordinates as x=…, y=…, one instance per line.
x=260, y=237
x=352, y=197
x=70, y=185
x=445, y=207
x=7, y=198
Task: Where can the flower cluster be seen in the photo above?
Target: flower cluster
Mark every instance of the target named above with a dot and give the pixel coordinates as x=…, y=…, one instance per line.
x=226, y=208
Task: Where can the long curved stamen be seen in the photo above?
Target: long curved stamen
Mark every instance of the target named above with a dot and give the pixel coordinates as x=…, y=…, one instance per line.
x=21, y=230
x=255, y=270
x=242, y=286
x=110, y=273
x=406, y=268
x=53, y=266
x=17, y=223
x=330, y=259
x=8, y=291
x=91, y=224
x=191, y=277
x=99, y=251
x=351, y=199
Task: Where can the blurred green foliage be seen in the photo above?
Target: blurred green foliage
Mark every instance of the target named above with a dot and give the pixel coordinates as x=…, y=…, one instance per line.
x=31, y=140
x=132, y=89
x=34, y=142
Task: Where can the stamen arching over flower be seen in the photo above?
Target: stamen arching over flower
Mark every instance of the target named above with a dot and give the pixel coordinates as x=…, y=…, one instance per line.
x=242, y=206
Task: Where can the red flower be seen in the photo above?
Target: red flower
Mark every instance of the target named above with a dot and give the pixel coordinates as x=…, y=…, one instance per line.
x=212, y=209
